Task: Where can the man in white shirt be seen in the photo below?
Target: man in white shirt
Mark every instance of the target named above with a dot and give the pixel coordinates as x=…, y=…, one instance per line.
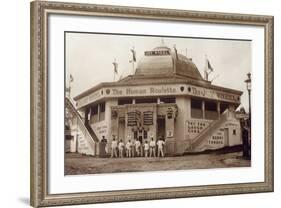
x=113, y=148
x=152, y=145
x=160, y=145
x=128, y=149
x=138, y=146
x=120, y=148
x=146, y=148
x=133, y=148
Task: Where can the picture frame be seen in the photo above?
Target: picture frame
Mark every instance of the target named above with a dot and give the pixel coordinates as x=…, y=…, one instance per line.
x=40, y=89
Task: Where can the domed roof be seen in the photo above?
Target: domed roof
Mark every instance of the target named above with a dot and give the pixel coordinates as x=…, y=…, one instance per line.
x=162, y=61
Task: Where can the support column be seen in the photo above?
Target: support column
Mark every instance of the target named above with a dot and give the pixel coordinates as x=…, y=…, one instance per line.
x=158, y=100
x=114, y=124
x=98, y=112
x=219, y=109
x=126, y=124
x=134, y=101
x=171, y=148
x=86, y=120
x=203, y=109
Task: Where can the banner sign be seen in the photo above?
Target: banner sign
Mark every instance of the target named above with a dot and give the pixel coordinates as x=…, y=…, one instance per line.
x=134, y=118
x=159, y=90
x=148, y=118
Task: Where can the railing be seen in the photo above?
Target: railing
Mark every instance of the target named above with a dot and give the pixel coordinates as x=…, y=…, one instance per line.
x=87, y=131
x=212, y=126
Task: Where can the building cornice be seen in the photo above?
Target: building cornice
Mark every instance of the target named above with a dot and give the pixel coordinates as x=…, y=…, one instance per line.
x=134, y=80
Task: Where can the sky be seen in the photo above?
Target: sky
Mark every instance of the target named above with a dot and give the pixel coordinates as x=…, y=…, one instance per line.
x=89, y=58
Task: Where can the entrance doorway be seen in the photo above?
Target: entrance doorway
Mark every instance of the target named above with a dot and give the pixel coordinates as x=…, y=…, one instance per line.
x=161, y=128
x=226, y=137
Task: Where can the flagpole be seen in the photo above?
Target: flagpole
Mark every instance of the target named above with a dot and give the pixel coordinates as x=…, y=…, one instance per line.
x=115, y=65
x=133, y=59
x=206, y=64
x=114, y=70
x=133, y=70
x=205, y=68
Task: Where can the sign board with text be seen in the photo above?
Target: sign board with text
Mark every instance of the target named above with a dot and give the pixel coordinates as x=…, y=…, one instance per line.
x=158, y=90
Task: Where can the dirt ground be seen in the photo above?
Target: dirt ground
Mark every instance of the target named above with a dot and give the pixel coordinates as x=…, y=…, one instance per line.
x=77, y=164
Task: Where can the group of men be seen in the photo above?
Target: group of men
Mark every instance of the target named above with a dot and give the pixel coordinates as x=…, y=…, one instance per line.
x=136, y=148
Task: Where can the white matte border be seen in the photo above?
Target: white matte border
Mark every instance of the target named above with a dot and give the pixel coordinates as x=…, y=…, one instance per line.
x=58, y=183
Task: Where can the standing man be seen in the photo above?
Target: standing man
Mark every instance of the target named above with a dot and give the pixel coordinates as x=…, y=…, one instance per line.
x=128, y=149
x=138, y=146
x=133, y=147
x=152, y=145
x=120, y=148
x=160, y=145
x=146, y=148
x=113, y=148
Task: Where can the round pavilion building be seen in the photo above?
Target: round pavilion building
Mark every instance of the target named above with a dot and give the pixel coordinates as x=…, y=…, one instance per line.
x=165, y=98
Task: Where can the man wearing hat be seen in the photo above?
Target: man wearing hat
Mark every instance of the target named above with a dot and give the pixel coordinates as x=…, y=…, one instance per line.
x=160, y=145
x=113, y=148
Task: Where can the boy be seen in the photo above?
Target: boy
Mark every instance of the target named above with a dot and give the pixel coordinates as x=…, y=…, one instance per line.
x=152, y=145
x=146, y=148
x=160, y=145
x=120, y=148
x=128, y=149
x=113, y=148
x=138, y=146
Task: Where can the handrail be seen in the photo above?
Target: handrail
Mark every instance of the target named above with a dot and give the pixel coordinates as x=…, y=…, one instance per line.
x=81, y=124
x=198, y=139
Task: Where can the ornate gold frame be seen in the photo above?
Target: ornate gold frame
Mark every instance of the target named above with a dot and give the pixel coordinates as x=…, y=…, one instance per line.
x=39, y=103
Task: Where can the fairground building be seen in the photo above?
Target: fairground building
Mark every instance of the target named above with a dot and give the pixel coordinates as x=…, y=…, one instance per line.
x=166, y=97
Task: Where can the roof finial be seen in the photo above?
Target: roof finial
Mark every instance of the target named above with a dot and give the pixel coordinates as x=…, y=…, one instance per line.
x=115, y=68
x=134, y=59
x=208, y=68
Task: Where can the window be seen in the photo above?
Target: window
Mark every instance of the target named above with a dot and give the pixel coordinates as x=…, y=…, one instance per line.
x=211, y=112
x=234, y=132
x=94, y=114
x=223, y=107
x=196, y=108
x=146, y=100
x=168, y=100
x=135, y=135
x=102, y=107
x=102, y=111
x=94, y=110
x=124, y=101
x=145, y=134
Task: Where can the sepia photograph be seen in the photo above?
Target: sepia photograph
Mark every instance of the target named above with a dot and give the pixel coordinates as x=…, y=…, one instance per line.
x=155, y=103
x=136, y=103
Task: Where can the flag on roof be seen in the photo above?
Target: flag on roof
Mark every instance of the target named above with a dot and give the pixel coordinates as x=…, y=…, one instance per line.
x=71, y=78
x=209, y=65
x=115, y=65
x=134, y=55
